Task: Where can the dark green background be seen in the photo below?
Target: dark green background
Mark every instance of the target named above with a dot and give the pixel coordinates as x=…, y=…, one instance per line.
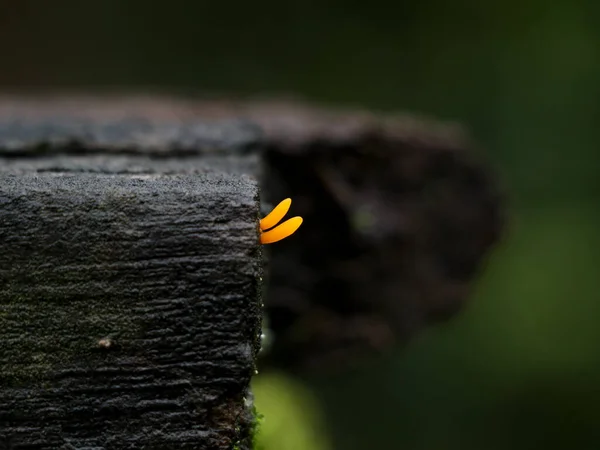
x=520, y=368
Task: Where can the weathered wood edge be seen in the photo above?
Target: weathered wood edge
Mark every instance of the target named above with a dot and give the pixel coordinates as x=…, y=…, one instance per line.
x=200, y=166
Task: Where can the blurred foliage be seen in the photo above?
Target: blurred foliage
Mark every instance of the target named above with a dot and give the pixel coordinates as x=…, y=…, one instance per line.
x=291, y=415
x=519, y=368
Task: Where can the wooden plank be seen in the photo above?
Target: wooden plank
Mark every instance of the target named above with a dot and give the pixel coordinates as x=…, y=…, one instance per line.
x=129, y=299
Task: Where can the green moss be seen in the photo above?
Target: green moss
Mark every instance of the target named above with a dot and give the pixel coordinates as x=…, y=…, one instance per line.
x=253, y=431
x=255, y=428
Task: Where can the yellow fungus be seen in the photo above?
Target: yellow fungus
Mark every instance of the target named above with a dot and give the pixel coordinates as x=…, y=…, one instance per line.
x=276, y=215
x=269, y=232
x=281, y=231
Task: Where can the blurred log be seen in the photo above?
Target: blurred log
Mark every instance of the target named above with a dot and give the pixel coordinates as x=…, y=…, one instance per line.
x=129, y=298
x=400, y=215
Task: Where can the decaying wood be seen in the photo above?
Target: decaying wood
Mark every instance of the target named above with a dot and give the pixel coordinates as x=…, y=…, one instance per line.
x=400, y=214
x=129, y=285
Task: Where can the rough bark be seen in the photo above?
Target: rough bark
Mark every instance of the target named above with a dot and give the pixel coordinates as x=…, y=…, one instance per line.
x=129, y=298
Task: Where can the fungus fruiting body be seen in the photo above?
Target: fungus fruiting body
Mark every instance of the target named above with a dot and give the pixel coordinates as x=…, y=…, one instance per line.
x=269, y=232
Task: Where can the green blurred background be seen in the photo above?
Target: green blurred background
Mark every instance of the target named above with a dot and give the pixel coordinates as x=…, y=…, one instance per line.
x=520, y=367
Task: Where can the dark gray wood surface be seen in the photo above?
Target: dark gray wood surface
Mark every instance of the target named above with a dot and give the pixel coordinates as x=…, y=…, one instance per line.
x=130, y=304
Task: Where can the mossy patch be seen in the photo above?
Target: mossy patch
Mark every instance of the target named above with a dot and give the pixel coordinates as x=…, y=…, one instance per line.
x=253, y=431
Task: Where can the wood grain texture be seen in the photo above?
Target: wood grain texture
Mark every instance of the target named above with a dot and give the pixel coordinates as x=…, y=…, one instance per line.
x=62, y=139
x=129, y=309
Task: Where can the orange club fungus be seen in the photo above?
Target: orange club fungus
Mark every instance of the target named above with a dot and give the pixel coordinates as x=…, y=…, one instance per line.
x=268, y=234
